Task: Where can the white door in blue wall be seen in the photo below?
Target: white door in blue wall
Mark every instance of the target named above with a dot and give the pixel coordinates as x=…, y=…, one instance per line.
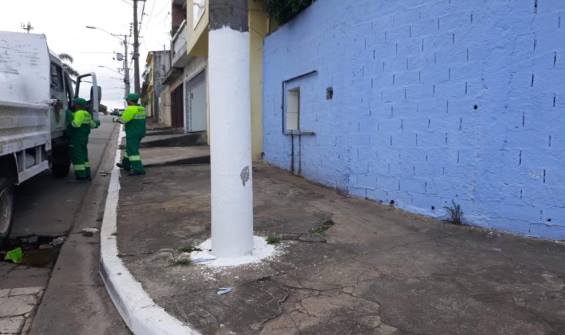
x=196, y=103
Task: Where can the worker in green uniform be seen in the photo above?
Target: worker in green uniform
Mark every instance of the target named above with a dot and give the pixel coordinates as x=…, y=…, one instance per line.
x=78, y=130
x=134, y=118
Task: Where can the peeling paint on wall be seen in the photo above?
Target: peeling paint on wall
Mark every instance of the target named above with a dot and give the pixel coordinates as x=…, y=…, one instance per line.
x=229, y=13
x=244, y=175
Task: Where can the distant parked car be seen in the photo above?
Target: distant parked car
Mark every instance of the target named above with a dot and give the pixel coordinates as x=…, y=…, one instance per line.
x=117, y=112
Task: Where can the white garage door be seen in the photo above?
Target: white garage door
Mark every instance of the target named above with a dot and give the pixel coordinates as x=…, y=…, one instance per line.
x=196, y=103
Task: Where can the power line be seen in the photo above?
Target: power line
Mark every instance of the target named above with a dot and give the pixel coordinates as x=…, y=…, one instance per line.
x=164, y=8
x=92, y=52
x=151, y=13
x=142, y=16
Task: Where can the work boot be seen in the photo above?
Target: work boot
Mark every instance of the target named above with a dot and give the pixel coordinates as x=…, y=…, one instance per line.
x=121, y=166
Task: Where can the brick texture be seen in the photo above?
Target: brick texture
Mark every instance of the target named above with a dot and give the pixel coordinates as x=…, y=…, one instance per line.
x=434, y=101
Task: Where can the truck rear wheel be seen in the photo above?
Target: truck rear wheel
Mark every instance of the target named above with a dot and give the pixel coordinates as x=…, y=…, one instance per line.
x=60, y=161
x=6, y=209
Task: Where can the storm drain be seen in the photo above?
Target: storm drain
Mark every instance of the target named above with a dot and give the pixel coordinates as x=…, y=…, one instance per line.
x=37, y=251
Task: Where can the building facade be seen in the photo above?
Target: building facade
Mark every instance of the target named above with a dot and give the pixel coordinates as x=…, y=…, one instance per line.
x=198, y=30
x=156, y=67
x=422, y=104
x=184, y=83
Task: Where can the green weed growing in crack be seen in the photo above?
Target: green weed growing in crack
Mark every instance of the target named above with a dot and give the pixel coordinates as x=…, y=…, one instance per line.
x=455, y=213
x=274, y=239
x=320, y=229
x=181, y=261
x=188, y=248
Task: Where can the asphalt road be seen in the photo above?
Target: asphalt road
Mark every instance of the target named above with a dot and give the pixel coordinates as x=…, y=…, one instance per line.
x=48, y=206
x=73, y=300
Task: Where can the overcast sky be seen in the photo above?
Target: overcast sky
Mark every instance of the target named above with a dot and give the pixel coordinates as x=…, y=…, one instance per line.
x=64, y=21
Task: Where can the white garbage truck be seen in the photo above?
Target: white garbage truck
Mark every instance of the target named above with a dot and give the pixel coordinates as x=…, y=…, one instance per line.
x=35, y=92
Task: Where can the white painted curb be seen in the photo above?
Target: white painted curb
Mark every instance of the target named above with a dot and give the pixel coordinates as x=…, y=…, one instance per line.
x=138, y=310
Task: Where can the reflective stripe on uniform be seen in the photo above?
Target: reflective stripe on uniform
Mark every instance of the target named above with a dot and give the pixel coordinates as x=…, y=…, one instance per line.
x=80, y=167
x=133, y=113
x=87, y=164
x=80, y=118
x=136, y=158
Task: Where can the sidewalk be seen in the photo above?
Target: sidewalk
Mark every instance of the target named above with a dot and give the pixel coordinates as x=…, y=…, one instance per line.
x=165, y=146
x=345, y=266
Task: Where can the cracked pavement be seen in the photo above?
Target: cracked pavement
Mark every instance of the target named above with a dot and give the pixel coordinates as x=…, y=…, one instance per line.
x=17, y=306
x=376, y=270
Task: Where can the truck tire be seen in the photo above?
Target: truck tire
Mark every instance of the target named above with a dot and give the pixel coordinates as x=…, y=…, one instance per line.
x=60, y=161
x=6, y=208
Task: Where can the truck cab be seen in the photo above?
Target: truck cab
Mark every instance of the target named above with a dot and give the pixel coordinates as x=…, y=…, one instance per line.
x=62, y=93
x=63, y=90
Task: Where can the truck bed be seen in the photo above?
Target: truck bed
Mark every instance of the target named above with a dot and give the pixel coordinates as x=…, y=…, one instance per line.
x=25, y=135
x=23, y=126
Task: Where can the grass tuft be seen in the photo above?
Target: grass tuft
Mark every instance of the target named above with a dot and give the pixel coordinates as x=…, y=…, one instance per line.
x=188, y=249
x=274, y=239
x=184, y=261
x=455, y=213
x=322, y=228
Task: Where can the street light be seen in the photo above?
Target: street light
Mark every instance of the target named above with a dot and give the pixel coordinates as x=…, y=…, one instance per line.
x=124, y=39
x=118, y=36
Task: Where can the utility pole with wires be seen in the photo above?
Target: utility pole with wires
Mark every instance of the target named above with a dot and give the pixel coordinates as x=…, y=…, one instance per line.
x=125, y=69
x=136, y=47
x=126, y=66
x=119, y=56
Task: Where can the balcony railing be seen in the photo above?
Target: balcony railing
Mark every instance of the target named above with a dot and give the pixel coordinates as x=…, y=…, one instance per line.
x=179, y=44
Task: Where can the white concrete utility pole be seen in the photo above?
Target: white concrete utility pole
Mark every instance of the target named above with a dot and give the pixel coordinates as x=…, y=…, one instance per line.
x=230, y=129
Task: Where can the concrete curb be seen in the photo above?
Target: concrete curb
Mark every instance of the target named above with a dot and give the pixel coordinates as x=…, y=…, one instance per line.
x=201, y=160
x=141, y=314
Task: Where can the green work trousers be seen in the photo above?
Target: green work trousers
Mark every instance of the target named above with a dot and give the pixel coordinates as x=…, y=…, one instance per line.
x=132, y=158
x=79, y=153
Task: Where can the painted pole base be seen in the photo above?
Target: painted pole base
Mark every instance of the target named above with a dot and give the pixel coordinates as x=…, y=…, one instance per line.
x=261, y=251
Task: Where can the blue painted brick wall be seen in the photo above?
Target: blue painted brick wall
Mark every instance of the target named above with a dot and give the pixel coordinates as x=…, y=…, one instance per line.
x=434, y=101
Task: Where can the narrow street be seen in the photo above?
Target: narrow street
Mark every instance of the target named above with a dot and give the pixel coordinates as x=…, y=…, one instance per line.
x=59, y=289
